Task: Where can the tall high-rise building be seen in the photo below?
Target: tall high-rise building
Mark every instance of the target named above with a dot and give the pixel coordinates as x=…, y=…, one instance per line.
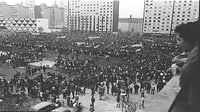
x=59, y=3
x=13, y=11
x=54, y=14
x=30, y=4
x=93, y=15
x=162, y=16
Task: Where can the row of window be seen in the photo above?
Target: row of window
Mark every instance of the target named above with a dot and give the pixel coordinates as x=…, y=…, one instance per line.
x=148, y=5
x=92, y=8
x=72, y=25
x=90, y=11
x=167, y=26
x=161, y=29
x=109, y=15
x=170, y=1
x=91, y=4
x=178, y=16
x=183, y=12
x=88, y=28
x=81, y=21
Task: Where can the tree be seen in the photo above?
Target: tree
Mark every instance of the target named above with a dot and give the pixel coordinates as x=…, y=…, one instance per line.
x=64, y=29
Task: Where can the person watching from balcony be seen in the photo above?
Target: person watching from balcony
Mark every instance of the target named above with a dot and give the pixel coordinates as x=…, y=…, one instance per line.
x=188, y=98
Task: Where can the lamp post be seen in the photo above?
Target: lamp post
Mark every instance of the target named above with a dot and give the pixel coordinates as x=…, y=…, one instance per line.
x=92, y=101
x=172, y=18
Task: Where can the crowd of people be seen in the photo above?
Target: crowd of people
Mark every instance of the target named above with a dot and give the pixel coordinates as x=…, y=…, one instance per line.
x=143, y=64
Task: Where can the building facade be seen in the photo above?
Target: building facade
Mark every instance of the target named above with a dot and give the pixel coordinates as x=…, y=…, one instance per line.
x=30, y=4
x=93, y=15
x=54, y=14
x=162, y=16
x=25, y=24
x=130, y=24
x=13, y=11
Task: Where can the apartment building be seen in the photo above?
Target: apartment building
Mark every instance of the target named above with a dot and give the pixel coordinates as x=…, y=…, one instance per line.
x=30, y=4
x=54, y=14
x=13, y=11
x=93, y=15
x=162, y=16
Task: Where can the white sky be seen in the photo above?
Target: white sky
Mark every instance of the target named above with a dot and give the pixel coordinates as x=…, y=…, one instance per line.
x=126, y=7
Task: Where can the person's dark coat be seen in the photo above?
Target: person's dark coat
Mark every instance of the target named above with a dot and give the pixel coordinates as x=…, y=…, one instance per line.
x=188, y=99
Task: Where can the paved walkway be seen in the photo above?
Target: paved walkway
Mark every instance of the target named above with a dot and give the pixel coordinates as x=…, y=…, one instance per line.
x=107, y=104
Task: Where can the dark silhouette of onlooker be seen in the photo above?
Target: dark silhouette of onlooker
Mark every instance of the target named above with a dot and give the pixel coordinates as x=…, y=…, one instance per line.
x=188, y=98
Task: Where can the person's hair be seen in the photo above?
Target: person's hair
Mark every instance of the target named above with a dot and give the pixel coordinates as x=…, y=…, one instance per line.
x=190, y=32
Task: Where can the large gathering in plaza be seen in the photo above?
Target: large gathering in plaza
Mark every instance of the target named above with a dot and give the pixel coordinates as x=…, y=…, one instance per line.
x=98, y=63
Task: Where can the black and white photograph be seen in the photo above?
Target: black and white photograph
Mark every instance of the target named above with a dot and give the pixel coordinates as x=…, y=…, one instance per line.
x=99, y=56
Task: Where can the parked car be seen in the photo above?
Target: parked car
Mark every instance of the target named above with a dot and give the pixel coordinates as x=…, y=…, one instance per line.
x=43, y=107
x=62, y=109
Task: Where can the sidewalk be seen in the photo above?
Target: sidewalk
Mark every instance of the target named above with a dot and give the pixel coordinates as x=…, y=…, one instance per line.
x=108, y=104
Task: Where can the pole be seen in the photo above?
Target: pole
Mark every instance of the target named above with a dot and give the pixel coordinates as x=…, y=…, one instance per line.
x=199, y=10
x=172, y=17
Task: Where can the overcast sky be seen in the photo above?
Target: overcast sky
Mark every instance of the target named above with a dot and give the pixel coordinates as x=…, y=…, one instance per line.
x=126, y=7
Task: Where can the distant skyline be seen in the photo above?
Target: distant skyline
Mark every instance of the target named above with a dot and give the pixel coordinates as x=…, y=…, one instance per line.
x=126, y=7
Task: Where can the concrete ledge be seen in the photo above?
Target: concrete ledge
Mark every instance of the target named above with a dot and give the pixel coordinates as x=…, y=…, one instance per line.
x=162, y=101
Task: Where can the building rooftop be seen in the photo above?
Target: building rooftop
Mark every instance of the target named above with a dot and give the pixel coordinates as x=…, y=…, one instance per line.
x=130, y=20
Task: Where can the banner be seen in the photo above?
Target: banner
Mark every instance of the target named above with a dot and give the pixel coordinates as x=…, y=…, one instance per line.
x=137, y=45
x=93, y=37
